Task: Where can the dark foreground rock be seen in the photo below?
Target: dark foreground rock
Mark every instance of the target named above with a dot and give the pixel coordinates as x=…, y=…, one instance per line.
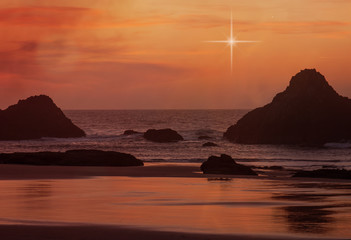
x=34, y=118
x=308, y=112
x=225, y=165
x=209, y=144
x=72, y=158
x=130, y=132
x=325, y=173
x=162, y=135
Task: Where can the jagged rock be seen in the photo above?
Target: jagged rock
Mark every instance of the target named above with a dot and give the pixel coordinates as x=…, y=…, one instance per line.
x=130, y=132
x=325, y=173
x=308, y=112
x=162, y=135
x=209, y=144
x=34, y=118
x=72, y=158
x=225, y=164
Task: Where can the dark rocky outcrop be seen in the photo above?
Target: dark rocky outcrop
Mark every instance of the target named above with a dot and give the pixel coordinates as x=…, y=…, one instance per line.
x=325, y=173
x=72, y=158
x=225, y=164
x=162, y=135
x=308, y=112
x=34, y=118
x=209, y=144
x=130, y=132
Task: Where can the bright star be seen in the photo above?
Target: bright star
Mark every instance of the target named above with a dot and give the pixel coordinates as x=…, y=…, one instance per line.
x=231, y=42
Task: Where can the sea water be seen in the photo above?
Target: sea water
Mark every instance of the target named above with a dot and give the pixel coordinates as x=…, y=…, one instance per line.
x=105, y=129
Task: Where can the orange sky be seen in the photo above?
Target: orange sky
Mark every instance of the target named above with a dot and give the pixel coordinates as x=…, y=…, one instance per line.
x=150, y=54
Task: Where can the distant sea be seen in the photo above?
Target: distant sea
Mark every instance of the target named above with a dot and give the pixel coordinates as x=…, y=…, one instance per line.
x=105, y=129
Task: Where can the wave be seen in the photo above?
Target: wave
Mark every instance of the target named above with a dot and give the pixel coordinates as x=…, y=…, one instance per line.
x=338, y=145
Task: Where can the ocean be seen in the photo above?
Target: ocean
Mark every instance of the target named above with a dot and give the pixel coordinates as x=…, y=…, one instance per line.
x=105, y=129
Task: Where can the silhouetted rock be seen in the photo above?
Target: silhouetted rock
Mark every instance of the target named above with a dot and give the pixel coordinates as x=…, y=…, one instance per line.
x=308, y=112
x=72, y=158
x=130, y=132
x=162, y=135
x=204, y=137
x=209, y=144
x=34, y=118
x=325, y=173
x=225, y=165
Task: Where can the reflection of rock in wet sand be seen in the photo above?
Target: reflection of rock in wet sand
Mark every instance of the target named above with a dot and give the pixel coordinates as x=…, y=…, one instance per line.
x=308, y=219
x=36, y=195
x=36, y=190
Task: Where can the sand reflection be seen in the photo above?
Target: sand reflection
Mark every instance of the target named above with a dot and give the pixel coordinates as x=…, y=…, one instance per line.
x=180, y=204
x=309, y=219
x=36, y=195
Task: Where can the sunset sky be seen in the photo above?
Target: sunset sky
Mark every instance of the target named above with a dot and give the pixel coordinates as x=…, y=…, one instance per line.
x=153, y=54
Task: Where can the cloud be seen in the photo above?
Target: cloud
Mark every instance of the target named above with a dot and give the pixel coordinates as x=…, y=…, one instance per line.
x=46, y=16
x=303, y=27
x=73, y=17
x=20, y=60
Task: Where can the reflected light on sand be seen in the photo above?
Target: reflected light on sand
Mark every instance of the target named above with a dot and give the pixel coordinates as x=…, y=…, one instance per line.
x=177, y=204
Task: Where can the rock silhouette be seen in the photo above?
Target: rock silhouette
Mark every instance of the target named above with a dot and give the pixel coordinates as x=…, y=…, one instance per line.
x=325, y=173
x=130, y=132
x=72, y=158
x=162, y=135
x=225, y=164
x=209, y=144
x=34, y=118
x=308, y=112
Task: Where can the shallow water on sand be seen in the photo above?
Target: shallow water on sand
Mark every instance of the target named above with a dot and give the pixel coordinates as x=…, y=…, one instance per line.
x=248, y=206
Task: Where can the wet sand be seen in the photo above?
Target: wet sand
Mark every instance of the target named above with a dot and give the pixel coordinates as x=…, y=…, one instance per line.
x=309, y=206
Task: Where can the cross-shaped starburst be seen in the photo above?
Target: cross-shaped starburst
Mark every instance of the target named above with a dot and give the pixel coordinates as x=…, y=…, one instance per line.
x=231, y=42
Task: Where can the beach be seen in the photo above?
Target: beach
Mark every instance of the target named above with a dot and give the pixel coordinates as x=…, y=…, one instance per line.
x=164, y=200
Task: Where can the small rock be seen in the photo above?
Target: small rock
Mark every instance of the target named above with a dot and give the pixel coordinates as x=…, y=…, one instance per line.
x=162, y=135
x=225, y=164
x=209, y=144
x=130, y=132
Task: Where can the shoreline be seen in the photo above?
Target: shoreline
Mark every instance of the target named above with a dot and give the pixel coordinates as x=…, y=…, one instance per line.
x=153, y=170
x=32, y=172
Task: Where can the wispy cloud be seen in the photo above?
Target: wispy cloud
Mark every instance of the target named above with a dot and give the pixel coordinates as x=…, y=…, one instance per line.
x=46, y=16
x=72, y=17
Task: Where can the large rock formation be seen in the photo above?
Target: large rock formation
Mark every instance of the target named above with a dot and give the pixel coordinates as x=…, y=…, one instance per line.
x=225, y=164
x=162, y=135
x=34, y=118
x=72, y=158
x=309, y=111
